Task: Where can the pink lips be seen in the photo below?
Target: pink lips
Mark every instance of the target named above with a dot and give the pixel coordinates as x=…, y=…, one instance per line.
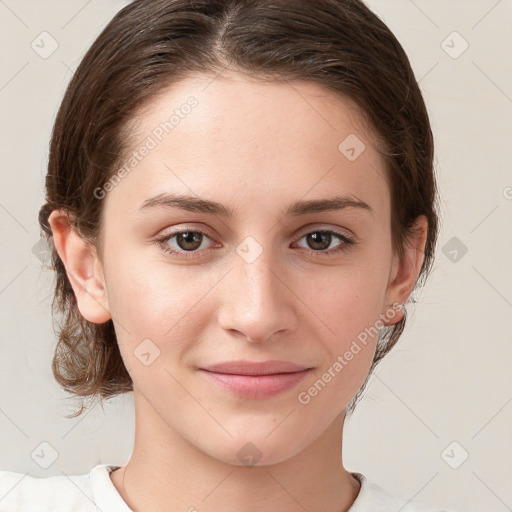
x=255, y=379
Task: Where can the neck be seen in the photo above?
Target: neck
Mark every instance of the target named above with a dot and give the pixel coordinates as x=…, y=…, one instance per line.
x=165, y=471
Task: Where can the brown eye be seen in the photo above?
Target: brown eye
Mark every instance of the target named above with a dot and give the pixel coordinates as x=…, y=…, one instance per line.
x=319, y=242
x=182, y=242
x=189, y=240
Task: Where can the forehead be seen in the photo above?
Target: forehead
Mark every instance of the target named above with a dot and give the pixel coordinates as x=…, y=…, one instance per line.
x=240, y=137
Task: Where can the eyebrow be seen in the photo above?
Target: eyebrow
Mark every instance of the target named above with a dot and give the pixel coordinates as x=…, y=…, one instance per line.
x=196, y=204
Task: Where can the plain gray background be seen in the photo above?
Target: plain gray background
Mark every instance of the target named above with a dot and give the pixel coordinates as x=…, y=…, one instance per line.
x=435, y=423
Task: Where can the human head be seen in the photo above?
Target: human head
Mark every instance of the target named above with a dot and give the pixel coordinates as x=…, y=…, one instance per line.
x=343, y=47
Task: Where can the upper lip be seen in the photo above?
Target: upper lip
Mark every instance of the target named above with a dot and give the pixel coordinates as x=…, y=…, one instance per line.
x=243, y=367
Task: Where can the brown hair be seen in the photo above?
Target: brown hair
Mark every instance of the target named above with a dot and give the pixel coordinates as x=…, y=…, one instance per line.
x=150, y=44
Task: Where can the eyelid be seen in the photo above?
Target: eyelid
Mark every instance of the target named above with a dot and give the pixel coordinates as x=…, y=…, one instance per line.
x=300, y=233
x=322, y=227
x=184, y=229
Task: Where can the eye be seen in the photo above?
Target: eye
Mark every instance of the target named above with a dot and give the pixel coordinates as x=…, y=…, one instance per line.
x=187, y=241
x=321, y=240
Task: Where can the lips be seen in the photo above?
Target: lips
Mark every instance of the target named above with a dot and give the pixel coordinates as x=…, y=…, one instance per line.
x=255, y=368
x=255, y=380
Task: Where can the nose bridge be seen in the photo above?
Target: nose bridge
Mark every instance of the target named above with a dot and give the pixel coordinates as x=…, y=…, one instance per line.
x=259, y=281
x=259, y=303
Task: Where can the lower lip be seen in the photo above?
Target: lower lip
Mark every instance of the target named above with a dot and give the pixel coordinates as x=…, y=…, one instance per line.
x=256, y=386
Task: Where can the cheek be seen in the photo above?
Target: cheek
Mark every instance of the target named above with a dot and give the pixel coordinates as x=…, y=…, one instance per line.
x=348, y=310
x=344, y=300
x=151, y=299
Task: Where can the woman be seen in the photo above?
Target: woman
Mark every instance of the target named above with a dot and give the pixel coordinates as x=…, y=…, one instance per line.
x=240, y=201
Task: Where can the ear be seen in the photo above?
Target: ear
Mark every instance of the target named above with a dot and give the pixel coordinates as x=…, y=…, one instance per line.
x=83, y=268
x=405, y=272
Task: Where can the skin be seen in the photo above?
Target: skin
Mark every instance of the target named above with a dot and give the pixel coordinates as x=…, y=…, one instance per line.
x=290, y=303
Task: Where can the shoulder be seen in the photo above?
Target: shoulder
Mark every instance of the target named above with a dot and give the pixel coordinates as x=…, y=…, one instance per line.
x=373, y=497
x=62, y=493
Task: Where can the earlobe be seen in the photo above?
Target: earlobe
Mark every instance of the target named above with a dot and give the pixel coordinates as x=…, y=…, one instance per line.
x=83, y=268
x=406, y=272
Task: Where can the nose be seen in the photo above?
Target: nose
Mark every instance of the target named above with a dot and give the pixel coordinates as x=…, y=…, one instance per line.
x=257, y=299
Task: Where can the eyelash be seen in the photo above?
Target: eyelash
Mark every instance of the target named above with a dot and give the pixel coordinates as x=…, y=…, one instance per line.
x=347, y=243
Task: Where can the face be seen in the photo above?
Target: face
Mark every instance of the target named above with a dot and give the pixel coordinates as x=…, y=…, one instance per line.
x=265, y=274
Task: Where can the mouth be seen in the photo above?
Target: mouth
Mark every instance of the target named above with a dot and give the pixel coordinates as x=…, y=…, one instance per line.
x=255, y=380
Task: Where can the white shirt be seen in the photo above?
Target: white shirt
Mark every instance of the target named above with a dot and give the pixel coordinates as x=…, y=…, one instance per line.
x=95, y=492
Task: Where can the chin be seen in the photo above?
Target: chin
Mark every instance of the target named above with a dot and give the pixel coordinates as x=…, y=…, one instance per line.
x=256, y=447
